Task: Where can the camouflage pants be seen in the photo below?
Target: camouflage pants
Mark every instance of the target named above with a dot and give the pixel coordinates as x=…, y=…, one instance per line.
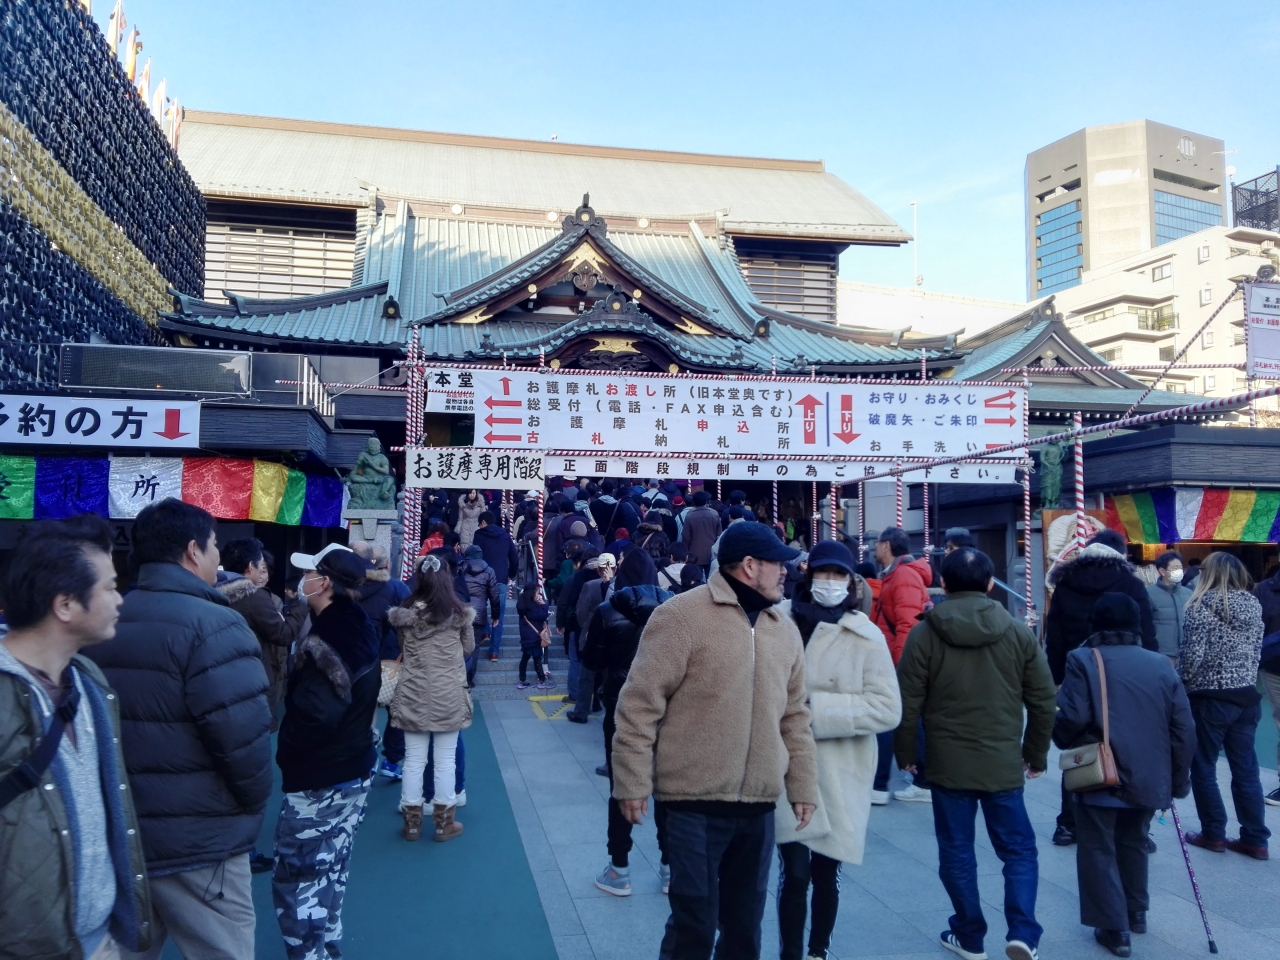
x=314, y=837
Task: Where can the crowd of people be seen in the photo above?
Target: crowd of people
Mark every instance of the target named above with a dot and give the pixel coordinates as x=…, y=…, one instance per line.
x=756, y=693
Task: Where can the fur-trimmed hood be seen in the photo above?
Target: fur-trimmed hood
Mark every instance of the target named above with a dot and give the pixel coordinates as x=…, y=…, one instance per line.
x=415, y=618
x=235, y=587
x=343, y=643
x=1092, y=569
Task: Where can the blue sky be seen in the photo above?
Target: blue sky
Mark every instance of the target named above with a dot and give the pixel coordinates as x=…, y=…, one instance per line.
x=934, y=102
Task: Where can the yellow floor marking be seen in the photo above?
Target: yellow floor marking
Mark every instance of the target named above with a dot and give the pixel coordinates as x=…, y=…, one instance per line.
x=540, y=712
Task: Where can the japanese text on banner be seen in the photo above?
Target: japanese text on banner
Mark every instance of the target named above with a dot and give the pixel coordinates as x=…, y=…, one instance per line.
x=449, y=390
x=469, y=466
x=616, y=413
x=95, y=422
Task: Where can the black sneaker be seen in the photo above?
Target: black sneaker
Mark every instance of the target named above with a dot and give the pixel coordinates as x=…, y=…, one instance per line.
x=1063, y=837
x=602, y=770
x=1138, y=921
x=1273, y=797
x=575, y=717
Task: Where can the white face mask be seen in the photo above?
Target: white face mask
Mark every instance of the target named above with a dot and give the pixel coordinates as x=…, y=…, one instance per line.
x=1175, y=576
x=302, y=590
x=829, y=593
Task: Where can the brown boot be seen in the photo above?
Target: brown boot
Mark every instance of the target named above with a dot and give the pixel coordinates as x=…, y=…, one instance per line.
x=446, y=827
x=412, y=822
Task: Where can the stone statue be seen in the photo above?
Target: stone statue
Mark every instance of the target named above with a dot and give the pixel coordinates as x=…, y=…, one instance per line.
x=371, y=483
x=1051, y=456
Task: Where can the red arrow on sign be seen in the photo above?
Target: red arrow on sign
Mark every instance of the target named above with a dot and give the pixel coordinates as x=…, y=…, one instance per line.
x=491, y=420
x=490, y=437
x=810, y=405
x=506, y=385
x=491, y=403
x=846, y=433
x=990, y=402
x=1008, y=423
x=172, y=425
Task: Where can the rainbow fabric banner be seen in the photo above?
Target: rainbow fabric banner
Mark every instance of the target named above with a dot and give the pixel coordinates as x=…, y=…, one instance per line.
x=1174, y=514
x=52, y=488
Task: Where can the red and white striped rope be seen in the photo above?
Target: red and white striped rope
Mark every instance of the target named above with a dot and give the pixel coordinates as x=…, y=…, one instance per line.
x=1106, y=367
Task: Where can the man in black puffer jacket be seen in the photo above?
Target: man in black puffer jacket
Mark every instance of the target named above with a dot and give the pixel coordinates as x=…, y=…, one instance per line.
x=613, y=638
x=195, y=730
x=1101, y=567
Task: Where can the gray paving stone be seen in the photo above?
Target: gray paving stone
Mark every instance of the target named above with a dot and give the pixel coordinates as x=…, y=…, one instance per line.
x=625, y=928
x=574, y=948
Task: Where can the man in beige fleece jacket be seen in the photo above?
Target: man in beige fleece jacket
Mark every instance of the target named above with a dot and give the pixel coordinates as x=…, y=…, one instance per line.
x=712, y=723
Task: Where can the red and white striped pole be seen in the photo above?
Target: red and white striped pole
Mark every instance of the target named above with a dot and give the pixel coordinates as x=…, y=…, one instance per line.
x=776, y=518
x=1026, y=541
x=542, y=497
x=813, y=519
x=927, y=539
x=719, y=491
x=897, y=480
x=862, y=517
x=1077, y=423
x=413, y=426
x=835, y=499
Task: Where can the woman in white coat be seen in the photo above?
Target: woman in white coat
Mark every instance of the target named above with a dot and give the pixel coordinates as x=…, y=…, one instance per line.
x=853, y=695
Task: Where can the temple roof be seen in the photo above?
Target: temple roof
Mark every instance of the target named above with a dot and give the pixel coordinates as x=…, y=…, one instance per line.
x=267, y=158
x=467, y=283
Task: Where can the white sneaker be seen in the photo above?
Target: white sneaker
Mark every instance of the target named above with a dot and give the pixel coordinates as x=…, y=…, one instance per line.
x=879, y=798
x=1019, y=950
x=462, y=798
x=914, y=794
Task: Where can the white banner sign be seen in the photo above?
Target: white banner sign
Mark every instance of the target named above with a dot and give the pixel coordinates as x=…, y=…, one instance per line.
x=471, y=467
x=137, y=482
x=449, y=390
x=1263, y=314
x=965, y=473
x=95, y=422
x=647, y=415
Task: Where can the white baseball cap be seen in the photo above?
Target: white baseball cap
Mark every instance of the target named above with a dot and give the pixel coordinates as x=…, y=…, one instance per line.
x=311, y=561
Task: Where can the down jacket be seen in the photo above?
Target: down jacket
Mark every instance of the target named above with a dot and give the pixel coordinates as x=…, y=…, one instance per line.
x=853, y=695
x=432, y=695
x=194, y=718
x=326, y=737
x=1077, y=585
x=613, y=635
x=904, y=595
x=37, y=855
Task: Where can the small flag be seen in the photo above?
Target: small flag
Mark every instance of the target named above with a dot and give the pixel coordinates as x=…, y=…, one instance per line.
x=144, y=82
x=115, y=27
x=158, y=102
x=175, y=122
x=131, y=47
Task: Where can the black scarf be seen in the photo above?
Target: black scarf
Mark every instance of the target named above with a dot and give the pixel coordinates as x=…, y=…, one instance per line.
x=750, y=599
x=808, y=614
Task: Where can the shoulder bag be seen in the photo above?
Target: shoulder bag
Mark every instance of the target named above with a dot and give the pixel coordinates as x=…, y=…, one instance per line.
x=1092, y=766
x=390, y=680
x=28, y=774
x=544, y=635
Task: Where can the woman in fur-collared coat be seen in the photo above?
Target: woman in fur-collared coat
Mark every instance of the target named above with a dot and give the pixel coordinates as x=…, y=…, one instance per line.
x=432, y=702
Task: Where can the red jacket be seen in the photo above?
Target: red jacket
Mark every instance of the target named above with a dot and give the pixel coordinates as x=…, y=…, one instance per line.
x=904, y=595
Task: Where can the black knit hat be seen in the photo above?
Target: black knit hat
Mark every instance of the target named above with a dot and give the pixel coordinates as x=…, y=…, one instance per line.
x=1115, y=611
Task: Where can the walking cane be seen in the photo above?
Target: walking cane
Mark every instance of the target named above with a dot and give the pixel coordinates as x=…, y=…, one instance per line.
x=1195, y=887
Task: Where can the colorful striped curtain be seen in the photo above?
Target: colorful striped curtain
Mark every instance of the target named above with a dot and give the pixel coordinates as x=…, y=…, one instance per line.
x=1170, y=515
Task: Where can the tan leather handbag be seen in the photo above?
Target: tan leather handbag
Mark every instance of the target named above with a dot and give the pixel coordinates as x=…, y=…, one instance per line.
x=1092, y=766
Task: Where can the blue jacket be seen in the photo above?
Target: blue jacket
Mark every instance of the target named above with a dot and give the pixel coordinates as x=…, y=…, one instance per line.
x=195, y=725
x=531, y=623
x=499, y=552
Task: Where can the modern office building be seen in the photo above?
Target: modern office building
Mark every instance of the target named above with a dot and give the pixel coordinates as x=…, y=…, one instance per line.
x=1111, y=192
x=1141, y=310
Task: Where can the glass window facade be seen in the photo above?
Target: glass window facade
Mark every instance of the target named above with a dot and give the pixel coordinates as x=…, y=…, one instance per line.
x=1179, y=216
x=1059, y=252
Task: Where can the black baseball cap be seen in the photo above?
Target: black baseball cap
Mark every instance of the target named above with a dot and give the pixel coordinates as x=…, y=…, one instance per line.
x=749, y=538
